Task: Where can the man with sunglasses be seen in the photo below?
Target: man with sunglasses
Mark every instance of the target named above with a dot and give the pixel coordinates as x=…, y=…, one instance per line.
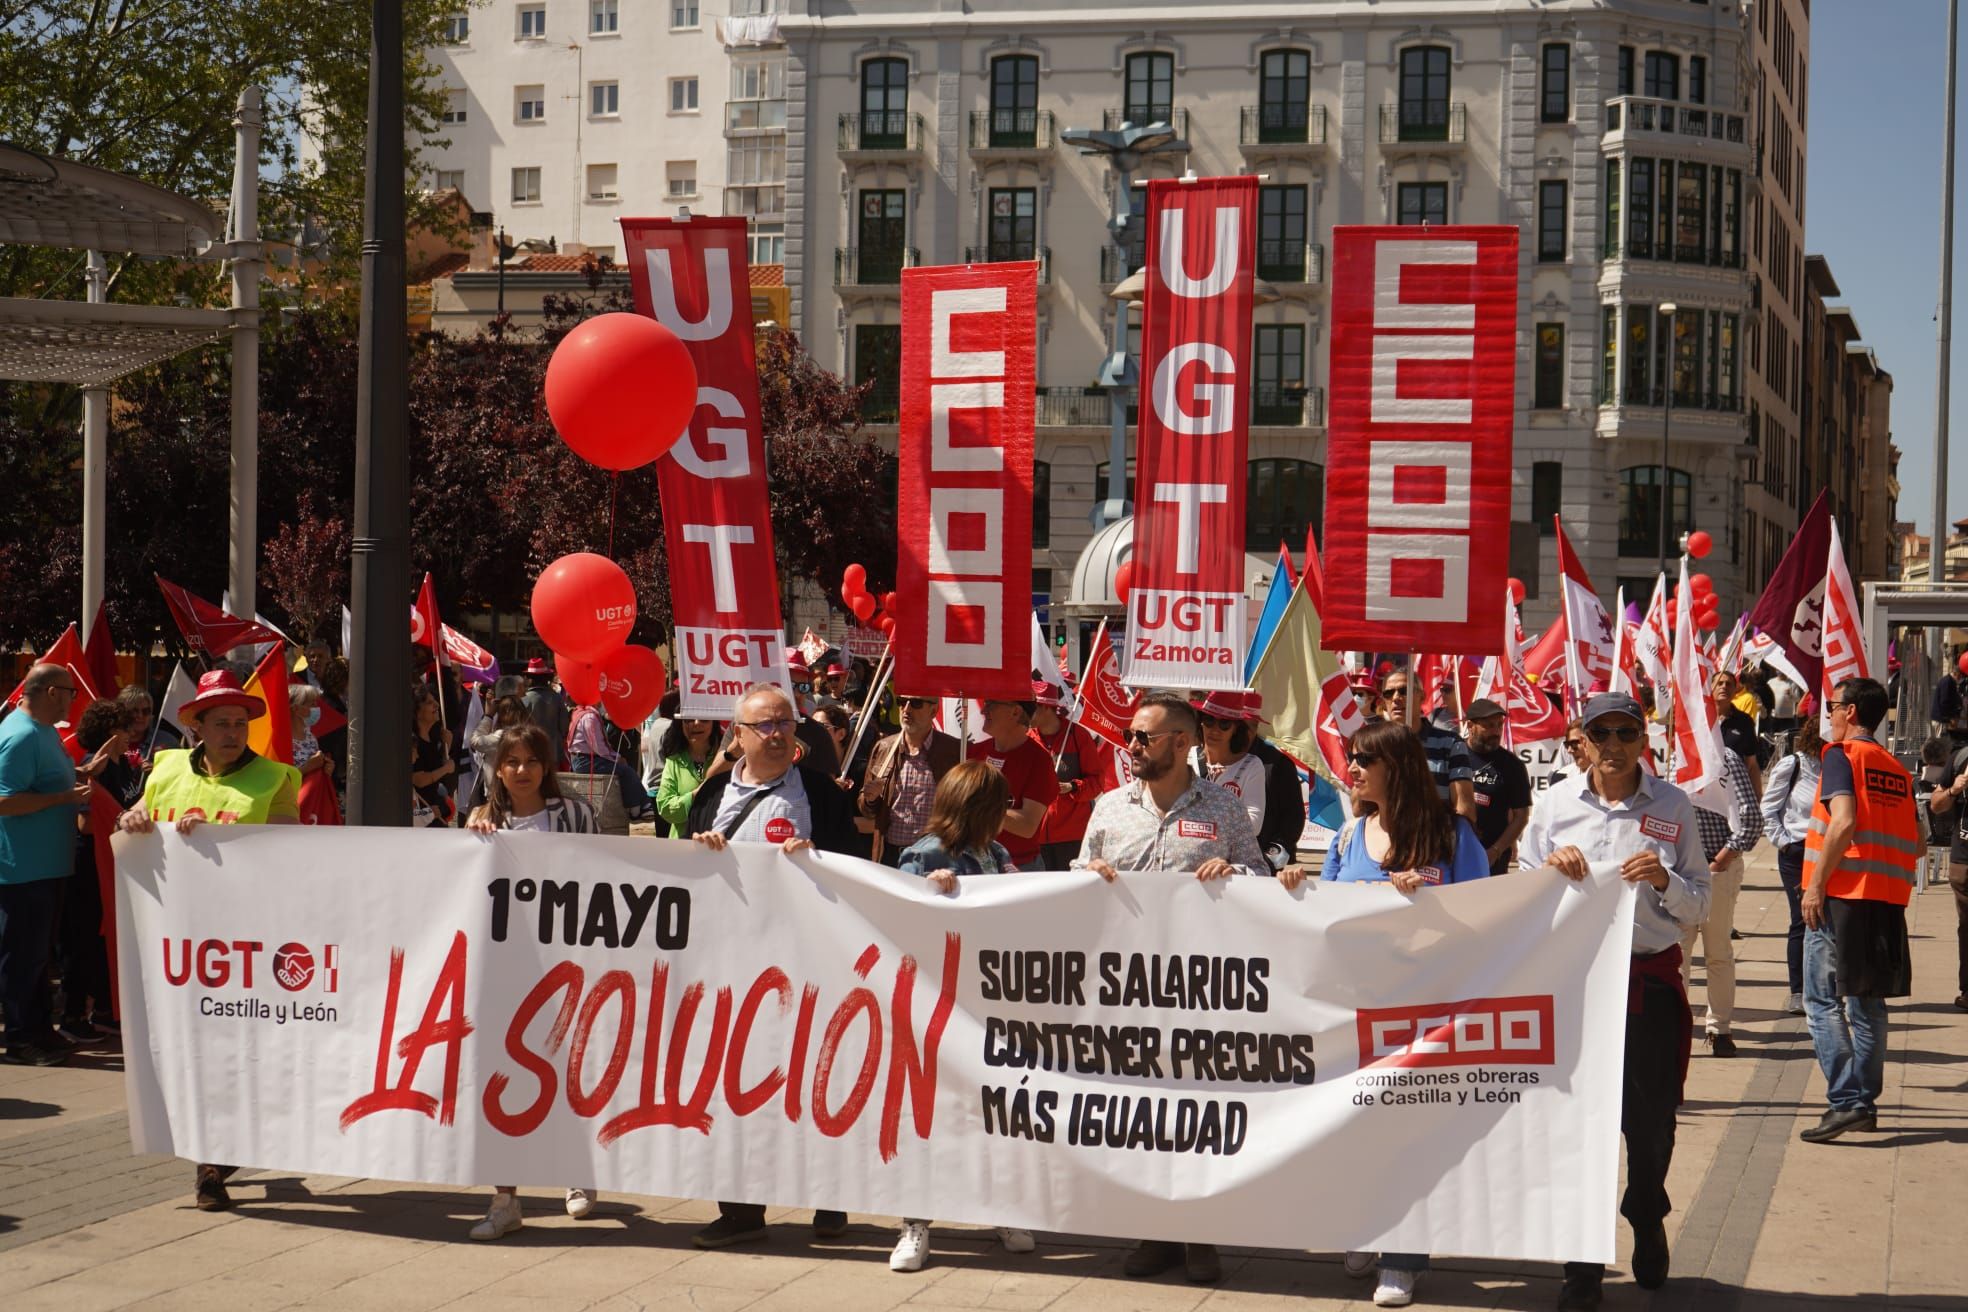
x=1620, y=812
x=38, y=800
x=1859, y=858
x=903, y=772
x=1448, y=756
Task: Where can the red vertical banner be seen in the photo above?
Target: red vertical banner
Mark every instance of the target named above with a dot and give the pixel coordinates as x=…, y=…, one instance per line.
x=963, y=558
x=1185, y=622
x=691, y=276
x=1423, y=383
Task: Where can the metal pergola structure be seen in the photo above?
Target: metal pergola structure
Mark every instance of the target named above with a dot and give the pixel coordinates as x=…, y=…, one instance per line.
x=60, y=203
x=1935, y=607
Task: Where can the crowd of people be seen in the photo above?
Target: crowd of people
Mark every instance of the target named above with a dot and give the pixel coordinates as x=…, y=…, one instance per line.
x=1196, y=789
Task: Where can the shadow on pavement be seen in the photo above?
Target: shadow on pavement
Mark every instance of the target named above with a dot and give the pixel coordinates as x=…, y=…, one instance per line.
x=26, y=1109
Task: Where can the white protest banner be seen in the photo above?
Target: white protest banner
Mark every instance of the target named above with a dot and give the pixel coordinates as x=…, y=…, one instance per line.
x=1155, y=1058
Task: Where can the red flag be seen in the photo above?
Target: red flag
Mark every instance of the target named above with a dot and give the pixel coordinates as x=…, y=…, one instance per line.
x=331, y=720
x=273, y=733
x=425, y=626
x=67, y=653
x=1791, y=609
x=963, y=568
x=100, y=650
x=1434, y=672
x=319, y=805
x=103, y=812
x=1844, y=653
x=1589, y=654
x=1284, y=559
x=1697, y=746
x=1424, y=368
x=1186, y=616
x=1544, y=663
x=691, y=275
x=1106, y=704
x=208, y=630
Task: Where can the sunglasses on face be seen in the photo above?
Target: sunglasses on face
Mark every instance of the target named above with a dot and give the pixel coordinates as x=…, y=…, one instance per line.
x=918, y=703
x=1575, y=744
x=1143, y=738
x=1627, y=733
x=1217, y=722
x=1400, y=690
x=1363, y=759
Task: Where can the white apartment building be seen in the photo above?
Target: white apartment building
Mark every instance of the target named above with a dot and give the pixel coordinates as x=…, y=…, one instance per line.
x=1617, y=135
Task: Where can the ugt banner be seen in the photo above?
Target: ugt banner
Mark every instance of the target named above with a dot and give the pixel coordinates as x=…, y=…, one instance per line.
x=691, y=276
x=1185, y=621
x=1153, y=1058
x=1424, y=368
x=963, y=552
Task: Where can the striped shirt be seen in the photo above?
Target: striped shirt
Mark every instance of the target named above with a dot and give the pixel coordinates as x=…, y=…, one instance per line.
x=1448, y=757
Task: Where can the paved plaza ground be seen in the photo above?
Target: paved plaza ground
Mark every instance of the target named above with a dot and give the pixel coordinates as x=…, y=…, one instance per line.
x=1761, y=1222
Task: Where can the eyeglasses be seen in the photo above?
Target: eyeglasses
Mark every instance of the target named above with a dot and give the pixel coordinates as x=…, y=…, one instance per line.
x=1399, y=690
x=1217, y=722
x=1143, y=738
x=1575, y=744
x=768, y=728
x=1363, y=759
x=68, y=688
x=1842, y=706
x=1626, y=733
x=918, y=703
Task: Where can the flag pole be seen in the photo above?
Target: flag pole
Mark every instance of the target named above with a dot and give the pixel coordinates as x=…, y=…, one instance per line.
x=883, y=668
x=1079, y=692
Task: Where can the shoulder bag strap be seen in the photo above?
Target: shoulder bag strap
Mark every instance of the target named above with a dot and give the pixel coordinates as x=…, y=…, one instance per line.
x=738, y=821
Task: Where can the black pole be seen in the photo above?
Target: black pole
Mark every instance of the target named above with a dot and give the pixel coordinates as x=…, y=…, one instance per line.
x=379, y=680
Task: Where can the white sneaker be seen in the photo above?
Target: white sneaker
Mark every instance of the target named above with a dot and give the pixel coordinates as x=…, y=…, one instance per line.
x=1016, y=1240
x=1794, y=1004
x=501, y=1219
x=1360, y=1265
x=912, y=1248
x=1396, y=1288
x=580, y=1202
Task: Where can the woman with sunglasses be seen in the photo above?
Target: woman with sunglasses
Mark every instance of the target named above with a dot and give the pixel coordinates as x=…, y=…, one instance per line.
x=1229, y=721
x=687, y=748
x=1401, y=835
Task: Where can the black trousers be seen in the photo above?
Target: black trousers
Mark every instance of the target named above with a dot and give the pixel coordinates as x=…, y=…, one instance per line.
x=1790, y=869
x=28, y=913
x=1059, y=856
x=1652, y=1092
x=84, y=958
x=755, y=1213
x=1958, y=881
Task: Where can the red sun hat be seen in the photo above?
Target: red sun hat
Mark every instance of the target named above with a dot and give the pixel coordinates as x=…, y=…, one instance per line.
x=1046, y=694
x=221, y=688
x=796, y=662
x=837, y=668
x=538, y=665
x=1231, y=706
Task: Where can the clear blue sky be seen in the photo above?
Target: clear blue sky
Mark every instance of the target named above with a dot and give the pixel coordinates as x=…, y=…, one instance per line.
x=1873, y=209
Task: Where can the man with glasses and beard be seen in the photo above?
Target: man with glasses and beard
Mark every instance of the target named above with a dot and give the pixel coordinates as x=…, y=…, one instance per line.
x=903, y=772
x=1619, y=812
x=1165, y=818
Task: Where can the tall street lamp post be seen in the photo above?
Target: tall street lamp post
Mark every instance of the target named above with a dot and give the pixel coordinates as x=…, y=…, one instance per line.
x=1667, y=310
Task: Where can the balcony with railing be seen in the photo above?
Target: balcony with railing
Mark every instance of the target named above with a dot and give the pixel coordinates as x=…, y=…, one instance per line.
x=873, y=268
x=1115, y=267
x=1277, y=406
x=1703, y=253
x=1651, y=120
x=1426, y=125
x=1072, y=407
x=1010, y=133
x=1654, y=396
x=1282, y=129
x=1291, y=263
x=879, y=134
x=1142, y=115
x=1011, y=255
x=882, y=402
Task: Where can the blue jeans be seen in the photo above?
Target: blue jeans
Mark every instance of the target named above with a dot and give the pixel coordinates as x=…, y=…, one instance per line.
x=1790, y=869
x=1849, y=1034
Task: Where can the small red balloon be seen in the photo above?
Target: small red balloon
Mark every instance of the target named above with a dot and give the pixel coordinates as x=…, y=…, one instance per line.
x=1124, y=580
x=581, y=679
x=855, y=577
x=620, y=390
x=1518, y=592
x=847, y=596
x=1962, y=664
x=863, y=606
x=583, y=605
x=1703, y=585
x=888, y=601
x=886, y=624
x=631, y=684
x=1700, y=544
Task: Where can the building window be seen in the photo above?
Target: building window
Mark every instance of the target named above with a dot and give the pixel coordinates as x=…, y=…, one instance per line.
x=1690, y=212
x=1610, y=234
x=1625, y=82
x=1015, y=101
x=457, y=30
x=1150, y=89
x=758, y=79
x=755, y=176
x=1687, y=357
x=1640, y=509
x=683, y=14
x=682, y=177
x=1283, y=501
x=1547, y=493
x=1639, y=388
x=1608, y=354
x=604, y=17
x=1280, y=394
x=526, y=186
x=768, y=243
x=1548, y=390
x=1663, y=76
x=1425, y=94
x=1014, y=224
x=683, y=95
x=532, y=22
x=601, y=182
x=605, y=99
x=1283, y=95
x=1127, y=493
x=1640, y=209
x=1281, y=233
x=1697, y=80
x=1041, y=504
x=1555, y=98
x=531, y=104
x=878, y=368
x=448, y=180
x=884, y=104
x=1422, y=202
x=1551, y=222
x=883, y=232
x=454, y=107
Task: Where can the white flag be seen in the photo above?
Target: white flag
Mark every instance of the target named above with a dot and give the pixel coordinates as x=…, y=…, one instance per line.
x=1844, y=632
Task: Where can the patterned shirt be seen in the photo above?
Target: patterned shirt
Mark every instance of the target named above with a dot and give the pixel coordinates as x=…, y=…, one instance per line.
x=1448, y=757
x=1128, y=833
x=915, y=789
x=1714, y=829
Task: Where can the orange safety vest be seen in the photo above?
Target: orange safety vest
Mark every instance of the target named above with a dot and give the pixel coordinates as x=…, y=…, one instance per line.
x=1879, y=865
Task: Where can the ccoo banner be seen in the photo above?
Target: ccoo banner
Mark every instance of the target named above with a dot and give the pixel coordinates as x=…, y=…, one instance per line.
x=1424, y=368
x=963, y=551
x=691, y=276
x=1153, y=1058
x=1185, y=620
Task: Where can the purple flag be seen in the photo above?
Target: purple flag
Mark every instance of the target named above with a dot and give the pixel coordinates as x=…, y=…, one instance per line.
x=1791, y=610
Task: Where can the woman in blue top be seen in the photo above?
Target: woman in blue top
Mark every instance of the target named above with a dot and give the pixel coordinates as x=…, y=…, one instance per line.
x=1405, y=836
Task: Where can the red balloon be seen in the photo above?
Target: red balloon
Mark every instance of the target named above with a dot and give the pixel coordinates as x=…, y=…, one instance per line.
x=1518, y=591
x=581, y=679
x=583, y=605
x=632, y=679
x=1124, y=580
x=620, y=390
x=1707, y=619
x=863, y=606
x=847, y=596
x=1703, y=585
x=1700, y=544
x=888, y=601
x=1962, y=664
x=886, y=624
x=855, y=577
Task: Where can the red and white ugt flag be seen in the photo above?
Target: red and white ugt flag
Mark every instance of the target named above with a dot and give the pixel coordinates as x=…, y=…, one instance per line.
x=1186, y=614
x=691, y=276
x=1589, y=648
x=1654, y=644
x=963, y=552
x=1697, y=749
x=1844, y=632
x=1424, y=369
